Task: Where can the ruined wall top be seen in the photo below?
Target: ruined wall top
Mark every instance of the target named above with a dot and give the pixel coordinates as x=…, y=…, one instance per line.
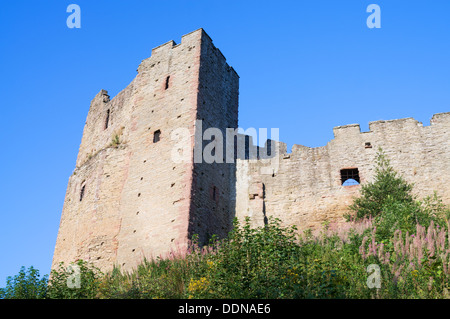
x=404, y=125
x=166, y=47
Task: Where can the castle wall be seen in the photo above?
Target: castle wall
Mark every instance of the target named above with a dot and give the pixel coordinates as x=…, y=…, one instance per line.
x=307, y=190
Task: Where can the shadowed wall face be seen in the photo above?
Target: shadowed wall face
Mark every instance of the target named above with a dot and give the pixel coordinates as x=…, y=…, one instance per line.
x=213, y=206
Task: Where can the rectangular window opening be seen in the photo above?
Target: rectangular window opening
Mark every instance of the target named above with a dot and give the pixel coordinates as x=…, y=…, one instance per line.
x=107, y=119
x=156, y=136
x=350, y=176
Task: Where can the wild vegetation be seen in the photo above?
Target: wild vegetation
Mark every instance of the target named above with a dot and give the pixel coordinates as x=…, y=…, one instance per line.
x=404, y=239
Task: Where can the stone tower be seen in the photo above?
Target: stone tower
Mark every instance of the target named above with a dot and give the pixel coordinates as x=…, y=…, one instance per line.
x=127, y=198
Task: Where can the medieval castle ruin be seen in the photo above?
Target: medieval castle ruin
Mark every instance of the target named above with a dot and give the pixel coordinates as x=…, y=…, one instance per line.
x=128, y=199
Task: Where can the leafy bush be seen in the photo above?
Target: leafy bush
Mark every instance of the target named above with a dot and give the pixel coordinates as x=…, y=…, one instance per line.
x=78, y=280
x=389, y=200
x=408, y=239
x=387, y=187
x=252, y=262
x=25, y=285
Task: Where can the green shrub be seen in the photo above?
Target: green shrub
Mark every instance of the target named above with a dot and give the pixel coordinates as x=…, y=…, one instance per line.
x=389, y=200
x=78, y=280
x=407, y=238
x=251, y=262
x=387, y=187
x=25, y=285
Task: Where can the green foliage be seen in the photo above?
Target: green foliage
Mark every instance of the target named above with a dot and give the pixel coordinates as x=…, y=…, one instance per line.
x=25, y=285
x=155, y=279
x=272, y=262
x=434, y=209
x=387, y=187
x=78, y=280
x=389, y=200
x=252, y=262
x=115, y=141
x=407, y=238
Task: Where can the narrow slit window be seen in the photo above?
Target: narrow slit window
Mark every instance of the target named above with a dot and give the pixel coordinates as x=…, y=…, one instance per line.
x=83, y=188
x=167, y=82
x=107, y=119
x=213, y=152
x=156, y=136
x=214, y=193
x=350, y=177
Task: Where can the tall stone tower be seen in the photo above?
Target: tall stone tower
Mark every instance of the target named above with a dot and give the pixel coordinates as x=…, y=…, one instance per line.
x=128, y=199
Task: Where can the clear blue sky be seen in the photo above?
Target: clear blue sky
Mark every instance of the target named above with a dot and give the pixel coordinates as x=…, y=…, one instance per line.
x=305, y=67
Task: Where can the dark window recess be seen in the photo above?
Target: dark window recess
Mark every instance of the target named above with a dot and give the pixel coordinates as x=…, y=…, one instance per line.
x=247, y=147
x=156, y=136
x=83, y=188
x=107, y=119
x=167, y=82
x=213, y=152
x=269, y=148
x=214, y=193
x=350, y=176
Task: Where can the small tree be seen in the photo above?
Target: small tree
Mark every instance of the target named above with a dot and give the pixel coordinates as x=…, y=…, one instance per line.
x=25, y=285
x=387, y=187
x=389, y=200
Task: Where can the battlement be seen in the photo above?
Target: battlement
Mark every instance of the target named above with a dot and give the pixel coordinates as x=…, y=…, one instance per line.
x=440, y=118
x=394, y=124
x=404, y=123
x=187, y=39
x=350, y=129
x=346, y=132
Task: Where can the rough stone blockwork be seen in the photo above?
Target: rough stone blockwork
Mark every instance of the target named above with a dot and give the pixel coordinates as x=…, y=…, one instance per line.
x=128, y=199
x=306, y=189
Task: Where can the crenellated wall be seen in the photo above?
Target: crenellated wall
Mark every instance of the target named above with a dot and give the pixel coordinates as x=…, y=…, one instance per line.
x=307, y=189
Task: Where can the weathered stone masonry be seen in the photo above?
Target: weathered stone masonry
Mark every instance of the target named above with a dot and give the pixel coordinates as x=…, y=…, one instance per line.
x=307, y=189
x=127, y=199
